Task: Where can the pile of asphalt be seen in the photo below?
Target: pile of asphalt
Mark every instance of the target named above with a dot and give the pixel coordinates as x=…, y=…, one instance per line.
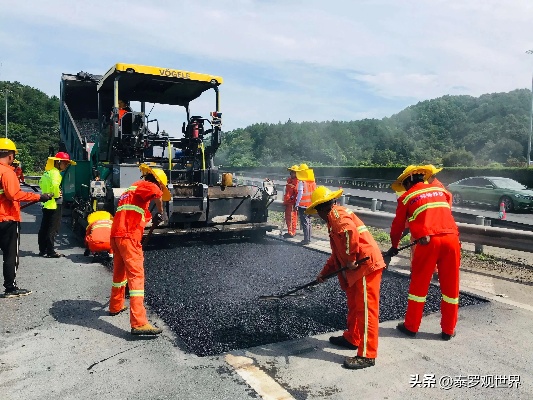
x=208, y=293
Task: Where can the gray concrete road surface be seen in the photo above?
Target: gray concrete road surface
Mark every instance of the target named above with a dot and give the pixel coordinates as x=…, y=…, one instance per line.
x=59, y=343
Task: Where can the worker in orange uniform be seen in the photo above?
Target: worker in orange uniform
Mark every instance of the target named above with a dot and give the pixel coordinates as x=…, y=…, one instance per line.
x=18, y=171
x=10, y=197
x=289, y=200
x=98, y=233
x=430, y=172
x=427, y=208
x=306, y=186
x=130, y=219
x=351, y=241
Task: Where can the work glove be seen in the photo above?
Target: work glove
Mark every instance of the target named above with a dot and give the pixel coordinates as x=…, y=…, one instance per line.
x=45, y=197
x=393, y=251
x=157, y=219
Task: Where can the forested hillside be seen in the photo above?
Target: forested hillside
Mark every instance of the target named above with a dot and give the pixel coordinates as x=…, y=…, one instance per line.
x=492, y=129
x=452, y=130
x=33, y=123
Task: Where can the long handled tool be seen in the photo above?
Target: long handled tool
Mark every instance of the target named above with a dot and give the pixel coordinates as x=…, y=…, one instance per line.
x=312, y=283
x=28, y=204
x=387, y=258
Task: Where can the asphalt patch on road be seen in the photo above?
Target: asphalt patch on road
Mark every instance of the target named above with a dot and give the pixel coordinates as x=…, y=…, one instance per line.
x=208, y=293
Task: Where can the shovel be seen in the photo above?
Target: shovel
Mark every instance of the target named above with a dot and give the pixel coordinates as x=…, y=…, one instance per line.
x=312, y=283
x=387, y=259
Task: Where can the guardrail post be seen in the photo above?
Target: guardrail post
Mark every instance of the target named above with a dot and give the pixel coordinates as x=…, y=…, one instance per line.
x=342, y=200
x=374, y=205
x=478, y=248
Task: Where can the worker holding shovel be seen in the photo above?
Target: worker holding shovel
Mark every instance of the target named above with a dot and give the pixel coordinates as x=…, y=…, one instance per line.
x=351, y=242
x=130, y=219
x=426, y=208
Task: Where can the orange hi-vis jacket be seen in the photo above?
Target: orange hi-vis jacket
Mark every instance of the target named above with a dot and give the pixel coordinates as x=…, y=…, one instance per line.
x=98, y=235
x=132, y=212
x=11, y=195
x=350, y=240
x=291, y=191
x=309, y=188
x=427, y=210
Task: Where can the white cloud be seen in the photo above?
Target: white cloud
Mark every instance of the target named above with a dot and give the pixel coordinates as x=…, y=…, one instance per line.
x=324, y=60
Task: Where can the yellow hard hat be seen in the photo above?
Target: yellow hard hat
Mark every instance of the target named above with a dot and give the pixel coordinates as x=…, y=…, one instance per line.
x=426, y=170
x=7, y=144
x=303, y=167
x=305, y=174
x=160, y=176
x=294, y=168
x=434, y=170
x=321, y=195
x=97, y=216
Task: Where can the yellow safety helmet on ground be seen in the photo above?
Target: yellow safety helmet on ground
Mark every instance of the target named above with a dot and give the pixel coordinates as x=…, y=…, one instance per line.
x=322, y=195
x=160, y=176
x=426, y=170
x=7, y=144
x=294, y=168
x=97, y=216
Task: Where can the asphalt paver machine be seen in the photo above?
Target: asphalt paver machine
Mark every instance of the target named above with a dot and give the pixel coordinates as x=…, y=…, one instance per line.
x=109, y=144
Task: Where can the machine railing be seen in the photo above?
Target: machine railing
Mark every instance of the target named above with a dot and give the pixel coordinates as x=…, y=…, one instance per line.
x=70, y=134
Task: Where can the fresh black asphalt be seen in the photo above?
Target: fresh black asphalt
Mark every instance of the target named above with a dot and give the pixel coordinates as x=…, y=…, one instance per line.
x=208, y=293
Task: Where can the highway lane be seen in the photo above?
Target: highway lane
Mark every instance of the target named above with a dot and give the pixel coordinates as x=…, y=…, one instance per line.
x=523, y=218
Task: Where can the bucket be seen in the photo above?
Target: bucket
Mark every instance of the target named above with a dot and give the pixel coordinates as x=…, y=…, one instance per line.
x=227, y=179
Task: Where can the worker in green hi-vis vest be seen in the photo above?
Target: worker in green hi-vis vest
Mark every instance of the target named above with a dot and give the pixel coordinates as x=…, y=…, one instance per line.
x=50, y=182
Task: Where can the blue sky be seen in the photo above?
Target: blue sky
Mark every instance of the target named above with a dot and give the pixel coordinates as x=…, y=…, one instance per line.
x=306, y=60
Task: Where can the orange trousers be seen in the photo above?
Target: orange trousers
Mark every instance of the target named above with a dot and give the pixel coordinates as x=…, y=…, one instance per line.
x=445, y=252
x=363, y=314
x=291, y=218
x=128, y=269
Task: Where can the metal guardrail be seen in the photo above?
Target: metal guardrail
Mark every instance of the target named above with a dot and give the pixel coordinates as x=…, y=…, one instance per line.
x=511, y=239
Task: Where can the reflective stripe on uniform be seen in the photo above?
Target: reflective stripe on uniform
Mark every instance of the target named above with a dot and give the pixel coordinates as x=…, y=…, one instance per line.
x=131, y=207
x=450, y=300
x=136, y=293
x=421, y=191
x=418, y=299
x=438, y=204
x=120, y=284
x=362, y=229
x=102, y=224
x=1, y=191
x=365, y=300
x=347, y=235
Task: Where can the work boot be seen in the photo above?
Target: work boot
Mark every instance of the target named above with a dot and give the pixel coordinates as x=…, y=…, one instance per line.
x=359, y=362
x=87, y=253
x=342, y=342
x=305, y=242
x=118, y=312
x=15, y=292
x=401, y=327
x=146, y=330
x=288, y=235
x=446, y=336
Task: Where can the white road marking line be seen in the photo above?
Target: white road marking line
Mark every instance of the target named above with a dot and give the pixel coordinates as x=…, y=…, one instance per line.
x=264, y=385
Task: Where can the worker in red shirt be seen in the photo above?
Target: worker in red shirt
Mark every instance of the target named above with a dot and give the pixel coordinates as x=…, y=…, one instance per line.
x=98, y=233
x=289, y=201
x=130, y=219
x=351, y=241
x=18, y=171
x=430, y=172
x=10, y=197
x=427, y=209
